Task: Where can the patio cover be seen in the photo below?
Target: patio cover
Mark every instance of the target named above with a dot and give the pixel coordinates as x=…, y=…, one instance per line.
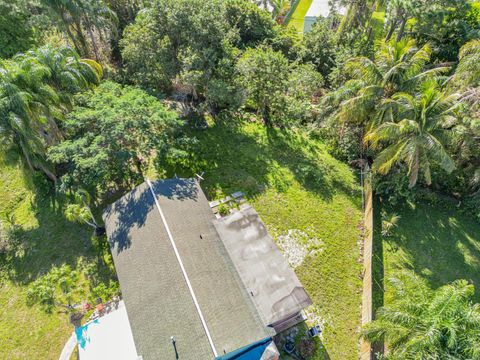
x=274, y=288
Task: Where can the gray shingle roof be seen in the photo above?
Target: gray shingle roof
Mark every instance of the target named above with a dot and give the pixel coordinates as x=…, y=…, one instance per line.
x=154, y=289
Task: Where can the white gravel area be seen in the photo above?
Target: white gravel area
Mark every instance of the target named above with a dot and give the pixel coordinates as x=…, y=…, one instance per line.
x=296, y=245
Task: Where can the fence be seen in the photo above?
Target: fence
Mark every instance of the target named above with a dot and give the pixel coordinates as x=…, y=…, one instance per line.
x=366, y=352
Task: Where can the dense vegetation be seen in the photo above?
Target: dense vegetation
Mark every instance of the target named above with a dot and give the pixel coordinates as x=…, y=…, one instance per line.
x=95, y=95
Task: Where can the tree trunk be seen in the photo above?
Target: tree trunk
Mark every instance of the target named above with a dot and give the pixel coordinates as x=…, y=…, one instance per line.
x=69, y=32
x=266, y=115
x=402, y=29
x=94, y=43
x=392, y=29
x=26, y=155
x=47, y=172
x=81, y=37
x=57, y=134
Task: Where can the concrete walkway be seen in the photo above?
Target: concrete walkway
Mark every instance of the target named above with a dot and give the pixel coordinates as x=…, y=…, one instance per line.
x=69, y=348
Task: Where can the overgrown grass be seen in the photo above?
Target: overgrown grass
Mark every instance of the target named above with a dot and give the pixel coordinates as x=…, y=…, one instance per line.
x=437, y=242
x=294, y=183
x=44, y=239
x=296, y=20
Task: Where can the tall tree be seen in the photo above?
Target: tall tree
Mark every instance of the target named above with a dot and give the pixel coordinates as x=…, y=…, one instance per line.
x=398, y=12
x=80, y=18
x=167, y=48
x=467, y=133
x=398, y=66
x=16, y=34
x=421, y=323
x=416, y=132
x=69, y=14
x=445, y=24
x=20, y=116
x=35, y=92
x=111, y=135
x=264, y=75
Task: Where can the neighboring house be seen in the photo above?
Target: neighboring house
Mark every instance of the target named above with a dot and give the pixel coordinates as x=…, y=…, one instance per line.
x=196, y=287
x=318, y=8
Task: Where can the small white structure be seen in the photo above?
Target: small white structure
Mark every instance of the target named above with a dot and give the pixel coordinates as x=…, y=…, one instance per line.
x=108, y=337
x=318, y=8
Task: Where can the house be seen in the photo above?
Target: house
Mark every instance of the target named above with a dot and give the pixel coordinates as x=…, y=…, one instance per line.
x=196, y=287
x=318, y=8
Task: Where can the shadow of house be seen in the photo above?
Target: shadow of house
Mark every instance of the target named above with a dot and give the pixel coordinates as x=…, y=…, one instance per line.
x=234, y=159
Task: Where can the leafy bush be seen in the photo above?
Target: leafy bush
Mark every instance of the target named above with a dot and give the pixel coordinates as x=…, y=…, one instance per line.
x=56, y=288
x=264, y=76
x=105, y=292
x=320, y=46
x=393, y=188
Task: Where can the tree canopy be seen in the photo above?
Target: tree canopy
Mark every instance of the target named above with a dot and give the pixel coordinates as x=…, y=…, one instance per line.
x=35, y=91
x=422, y=323
x=110, y=137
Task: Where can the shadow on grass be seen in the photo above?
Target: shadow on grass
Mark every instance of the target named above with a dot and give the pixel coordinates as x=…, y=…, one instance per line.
x=378, y=269
x=248, y=157
x=438, y=243
x=40, y=237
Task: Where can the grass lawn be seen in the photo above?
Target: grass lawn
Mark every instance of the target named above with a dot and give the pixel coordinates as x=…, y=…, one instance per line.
x=297, y=18
x=296, y=186
x=437, y=242
x=291, y=180
x=45, y=239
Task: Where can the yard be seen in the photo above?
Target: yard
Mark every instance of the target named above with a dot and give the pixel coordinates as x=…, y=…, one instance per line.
x=310, y=202
x=44, y=239
x=437, y=242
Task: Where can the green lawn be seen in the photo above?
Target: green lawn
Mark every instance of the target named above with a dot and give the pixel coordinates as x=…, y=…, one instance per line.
x=296, y=185
x=290, y=179
x=45, y=239
x=437, y=242
x=298, y=15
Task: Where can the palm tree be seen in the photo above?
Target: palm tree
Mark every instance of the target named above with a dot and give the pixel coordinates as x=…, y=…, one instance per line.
x=279, y=7
x=20, y=114
x=468, y=69
x=421, y=323
x=69, y=13
x=36, y=90
x=398, y=66
x=467, y=74
x=80, y=211
x=65, y=71
x=415, y=133
x=467, y=80
x=52, y=76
